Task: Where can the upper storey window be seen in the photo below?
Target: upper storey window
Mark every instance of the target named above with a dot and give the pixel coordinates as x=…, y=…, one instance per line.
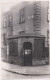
x=4, y=39
x=48, y=15
x=22, y=16
x=4, y=22
x=21, y=32
x=10, y=24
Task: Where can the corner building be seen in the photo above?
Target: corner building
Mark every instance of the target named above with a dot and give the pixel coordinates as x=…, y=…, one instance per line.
x=25, y=34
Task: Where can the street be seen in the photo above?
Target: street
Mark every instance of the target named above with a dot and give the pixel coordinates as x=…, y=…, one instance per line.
x=13, y=76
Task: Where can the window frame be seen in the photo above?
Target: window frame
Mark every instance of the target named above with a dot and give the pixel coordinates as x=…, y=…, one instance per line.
x=4, y=40
x=4, y=22
x=10, y=21
x=22, y=16
x=48, y=13
x=47, y=37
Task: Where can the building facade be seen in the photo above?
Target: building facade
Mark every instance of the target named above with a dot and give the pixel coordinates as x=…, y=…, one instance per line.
x=25, y=34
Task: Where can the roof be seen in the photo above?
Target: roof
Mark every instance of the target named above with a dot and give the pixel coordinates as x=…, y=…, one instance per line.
x=25, y=35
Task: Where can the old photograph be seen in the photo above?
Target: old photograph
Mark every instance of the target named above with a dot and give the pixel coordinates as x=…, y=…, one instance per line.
x=25, y=40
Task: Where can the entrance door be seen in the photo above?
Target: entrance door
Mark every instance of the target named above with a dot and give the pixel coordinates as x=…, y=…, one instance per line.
x=27, y=53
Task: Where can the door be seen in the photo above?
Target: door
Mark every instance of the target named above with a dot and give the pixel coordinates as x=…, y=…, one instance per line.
x=27, y=54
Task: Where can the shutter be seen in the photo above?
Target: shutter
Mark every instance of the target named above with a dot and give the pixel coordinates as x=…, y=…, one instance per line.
x=39, y=48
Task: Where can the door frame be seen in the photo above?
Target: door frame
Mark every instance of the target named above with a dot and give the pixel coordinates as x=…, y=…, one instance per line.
x=27, y=46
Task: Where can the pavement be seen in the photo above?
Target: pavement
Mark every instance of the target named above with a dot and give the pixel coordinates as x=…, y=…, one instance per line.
x=26, y=70
x=11, y=76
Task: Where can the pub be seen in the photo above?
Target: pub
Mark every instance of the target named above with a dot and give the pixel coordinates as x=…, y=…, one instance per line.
x=25, y=34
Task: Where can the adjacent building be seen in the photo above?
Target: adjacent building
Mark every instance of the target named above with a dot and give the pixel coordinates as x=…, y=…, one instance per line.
x=25, y=34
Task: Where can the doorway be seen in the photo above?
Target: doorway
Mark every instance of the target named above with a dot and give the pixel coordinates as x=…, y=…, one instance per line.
x=27, y=46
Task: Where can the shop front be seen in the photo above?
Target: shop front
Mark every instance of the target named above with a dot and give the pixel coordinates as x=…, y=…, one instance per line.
x=27, y=50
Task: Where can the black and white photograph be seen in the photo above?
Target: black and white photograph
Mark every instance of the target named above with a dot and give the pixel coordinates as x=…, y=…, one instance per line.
x=25, y=40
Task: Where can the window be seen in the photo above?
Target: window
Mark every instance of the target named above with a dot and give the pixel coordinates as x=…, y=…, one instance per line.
x=48, y=15
x=4, y=40
x=47, y=37
x=48, y=12
x=4, y=23
x=13, y=47
x=10, y=24
x=22, y=16
x=22, y=32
